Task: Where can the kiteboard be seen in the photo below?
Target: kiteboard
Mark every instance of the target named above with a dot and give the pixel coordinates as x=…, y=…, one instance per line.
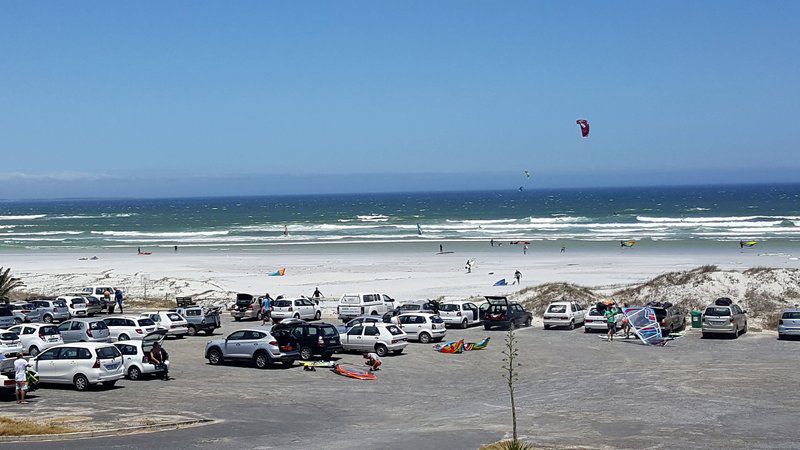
x=145, y=253
x=353, y=373
x=317, y=363
x=444, y=253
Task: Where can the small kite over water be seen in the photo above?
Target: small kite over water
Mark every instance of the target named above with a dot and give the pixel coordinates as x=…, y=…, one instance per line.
x=584, y=124
x=630, y=243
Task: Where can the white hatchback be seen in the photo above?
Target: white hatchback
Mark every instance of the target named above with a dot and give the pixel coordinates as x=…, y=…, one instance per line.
x=462, y=314
x=136, y=355
x=126, y=328
x=80, y=364
x=300, y=308
x=423, y=327
x=36, y=337
x=174, y=323
x=377, y=337
x=564, y=314
x=77, y=306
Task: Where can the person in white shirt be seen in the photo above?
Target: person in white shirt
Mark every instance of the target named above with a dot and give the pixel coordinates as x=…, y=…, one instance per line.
x=373, y=361
x=20, y=376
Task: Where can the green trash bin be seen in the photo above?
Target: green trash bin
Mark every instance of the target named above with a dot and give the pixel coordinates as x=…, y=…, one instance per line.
x=697, y=319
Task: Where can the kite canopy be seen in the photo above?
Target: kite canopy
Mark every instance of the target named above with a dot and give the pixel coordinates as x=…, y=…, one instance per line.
x=630, y=243
x=278, y=273
x=353, y=373
x=501, y=282
x=584, y=124
x=527, y=174
x=644, y=324
x=461, y=346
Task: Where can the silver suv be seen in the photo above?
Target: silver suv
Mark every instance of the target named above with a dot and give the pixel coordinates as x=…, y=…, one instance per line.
x=52, y=310
x=257, y=345
x=724, y=317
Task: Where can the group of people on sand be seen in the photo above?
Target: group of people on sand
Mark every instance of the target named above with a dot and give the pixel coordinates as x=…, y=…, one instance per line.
x=610, y=314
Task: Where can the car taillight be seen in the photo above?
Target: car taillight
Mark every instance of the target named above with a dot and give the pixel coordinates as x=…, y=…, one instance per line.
x=96, y=364
x=139, y=330
x=273, y=342
x=89, y=333
x=41, y=336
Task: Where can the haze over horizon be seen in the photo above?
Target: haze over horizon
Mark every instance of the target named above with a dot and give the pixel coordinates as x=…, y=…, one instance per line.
x=256, y=98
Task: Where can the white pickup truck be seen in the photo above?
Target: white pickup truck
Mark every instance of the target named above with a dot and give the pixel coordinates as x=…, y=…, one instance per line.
x=354, y=305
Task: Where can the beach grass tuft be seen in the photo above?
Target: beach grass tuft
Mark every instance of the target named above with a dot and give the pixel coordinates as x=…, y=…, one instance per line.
x=23, y=427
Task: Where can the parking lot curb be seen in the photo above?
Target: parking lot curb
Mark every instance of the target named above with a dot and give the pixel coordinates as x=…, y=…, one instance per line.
x=106, y=433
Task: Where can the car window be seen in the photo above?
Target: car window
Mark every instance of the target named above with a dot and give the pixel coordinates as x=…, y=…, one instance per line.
x=404, y=319
x=713, y=311
x=282, y=303
x=60, y=303
x=297, y=332
x=174, y=316
x=98, y=291
x=311, y=331
x=191, y=312
x=791, y=315
x=126, y=349
x=146, y=322
x=419, y=319
x=48, y=330
x=394, y=330
x=350, y=299
x=355, y=331
x=49, y=355
x=371, y=331
x=99, y=325
x=236, y=336
x=28, y=330
x=68, y=353
x=64, y=326
x=557, y=309
x=329, y=331
x=436, y=319
x=107, y=352
x=76, y=326
x=388, y=299
x=449, y=307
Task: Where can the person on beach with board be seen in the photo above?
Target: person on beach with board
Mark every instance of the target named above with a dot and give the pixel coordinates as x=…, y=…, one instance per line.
x=517, y=277
x=611, y=320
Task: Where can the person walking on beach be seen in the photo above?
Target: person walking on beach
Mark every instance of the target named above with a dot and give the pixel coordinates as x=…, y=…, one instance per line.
x=525, y=249
x=21, y=377
x=176, y=249
x=741, y=244
x=563, y=249
x=317, y=293
x=138, y=250
x=491, y=242
x=468, y=266
x=118, y=299
x=517, y=277
x=441, y=248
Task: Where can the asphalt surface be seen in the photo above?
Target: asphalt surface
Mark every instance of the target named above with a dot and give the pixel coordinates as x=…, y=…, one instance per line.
x=574, y=390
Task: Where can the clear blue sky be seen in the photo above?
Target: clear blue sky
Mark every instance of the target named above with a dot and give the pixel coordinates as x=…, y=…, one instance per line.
x=154, y=92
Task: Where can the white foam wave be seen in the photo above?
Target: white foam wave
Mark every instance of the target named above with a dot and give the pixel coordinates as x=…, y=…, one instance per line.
x=713, y=219
x=373, y=218
x=23, y=217
x=177, y=234
x=43, y=233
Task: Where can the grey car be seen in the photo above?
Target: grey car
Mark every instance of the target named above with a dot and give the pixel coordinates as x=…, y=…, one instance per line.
x=199, y=319
x=25, y=312
x=724, y=317
x=789, y=323
x=256, y=345
x=52, y=310
x=84, y=330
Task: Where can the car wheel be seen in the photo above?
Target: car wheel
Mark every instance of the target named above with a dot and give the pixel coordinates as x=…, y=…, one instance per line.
x=381, y=350
x=214, y=356
x=288, y=363
x=546, y=326
x=236, y=319
x=528, y=322
x=424, y=338
x=134, y=373
x=780, y=337
x=109, y=384
x=192, y=331
x=735, y=334
x=262, y=360
x=571, y=325
x=464, y=323
x=47, y=318
x=306, y=353
x=373, y=313
x=586, y=329
x=318, y=315
x=123, y=337
x=33, y=351
x=703, y=335
x=486, y=327
x=80, y=382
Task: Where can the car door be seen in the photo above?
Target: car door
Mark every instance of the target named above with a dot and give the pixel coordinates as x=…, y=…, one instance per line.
x=407, y=323
x=249, y=343
x=305, y=308
x=372, y=335
x=354, y=337
x=66, y=364
x=44, y=364
x=129, y=355
x=65, y=329
x=233, y=347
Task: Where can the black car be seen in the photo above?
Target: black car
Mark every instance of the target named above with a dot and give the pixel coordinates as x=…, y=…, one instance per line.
x=312, y=338
x=504, y=314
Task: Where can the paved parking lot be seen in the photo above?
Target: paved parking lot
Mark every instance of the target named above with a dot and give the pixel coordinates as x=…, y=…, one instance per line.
x=575, y=389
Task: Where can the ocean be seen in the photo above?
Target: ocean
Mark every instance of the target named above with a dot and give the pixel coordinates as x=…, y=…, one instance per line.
x=663, y=216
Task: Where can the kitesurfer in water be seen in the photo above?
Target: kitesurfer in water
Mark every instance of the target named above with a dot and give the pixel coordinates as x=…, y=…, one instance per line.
x=741, y=244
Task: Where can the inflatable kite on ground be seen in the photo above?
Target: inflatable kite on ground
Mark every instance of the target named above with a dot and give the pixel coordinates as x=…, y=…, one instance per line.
x=748, y=244
x=353, y=373
x=461, y=346
x=644, y=324
x=278, y=273
x=630, y=243
x=584, y=127
x=501, y=283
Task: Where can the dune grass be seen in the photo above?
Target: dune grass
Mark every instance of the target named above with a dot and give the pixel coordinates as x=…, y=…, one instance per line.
x=17, y=427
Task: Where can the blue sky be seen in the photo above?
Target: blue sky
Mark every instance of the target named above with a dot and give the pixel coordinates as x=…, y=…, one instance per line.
x=428, y=95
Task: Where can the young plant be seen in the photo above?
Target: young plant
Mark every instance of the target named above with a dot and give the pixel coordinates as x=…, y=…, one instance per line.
x=510, y=365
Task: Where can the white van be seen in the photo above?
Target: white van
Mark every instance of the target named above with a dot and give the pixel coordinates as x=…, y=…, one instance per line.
x=354, y=305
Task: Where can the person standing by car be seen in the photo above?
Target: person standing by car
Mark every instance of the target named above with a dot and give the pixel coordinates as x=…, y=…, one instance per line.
x=20, y=377
x=611, y=320
x=626, y=326
x=373, y=361
x=160, y=359
x=107, y=299
x=118, y=299
x=266, y=304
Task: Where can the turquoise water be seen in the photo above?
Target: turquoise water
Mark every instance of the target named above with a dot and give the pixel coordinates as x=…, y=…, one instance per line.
x=674, y=216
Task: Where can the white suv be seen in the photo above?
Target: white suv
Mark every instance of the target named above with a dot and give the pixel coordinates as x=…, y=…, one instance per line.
x=354, y=305
x=10, y=344
x=174, y=323
x=125, y=328
x=300, y=308
x=36, y=337
x=564, y=314
x=423, y=327
x=462, y=313
x=80, y=364
x=377, y=337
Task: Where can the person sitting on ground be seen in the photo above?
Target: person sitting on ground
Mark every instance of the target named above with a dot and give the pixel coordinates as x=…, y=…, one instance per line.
x=160, y=359
x=373, y=361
